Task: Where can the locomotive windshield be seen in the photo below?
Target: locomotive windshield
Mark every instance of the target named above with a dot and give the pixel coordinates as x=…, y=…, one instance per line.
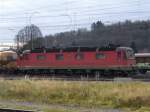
x=128, y=53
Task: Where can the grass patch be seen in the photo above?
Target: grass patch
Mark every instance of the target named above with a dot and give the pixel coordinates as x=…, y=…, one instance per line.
x=57, y=110
x=134, y=95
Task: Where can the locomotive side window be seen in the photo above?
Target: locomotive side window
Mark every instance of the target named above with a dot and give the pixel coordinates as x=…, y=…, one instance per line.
x=59, y=57
x=100, y=56
x=79, y=56
x=41, y=57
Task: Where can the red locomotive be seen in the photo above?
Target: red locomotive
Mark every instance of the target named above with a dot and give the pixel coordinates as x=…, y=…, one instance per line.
x=78, y=60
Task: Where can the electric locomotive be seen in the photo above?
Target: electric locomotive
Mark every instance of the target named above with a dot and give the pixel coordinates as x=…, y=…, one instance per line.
x=78, y=60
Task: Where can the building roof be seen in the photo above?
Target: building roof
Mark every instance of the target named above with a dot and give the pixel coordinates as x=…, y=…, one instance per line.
x=142, y=54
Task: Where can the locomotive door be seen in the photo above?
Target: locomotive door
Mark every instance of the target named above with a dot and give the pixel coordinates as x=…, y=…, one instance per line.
x=120, y=56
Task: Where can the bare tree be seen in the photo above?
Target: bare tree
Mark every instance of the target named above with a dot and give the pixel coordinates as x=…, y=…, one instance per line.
x=29, y=37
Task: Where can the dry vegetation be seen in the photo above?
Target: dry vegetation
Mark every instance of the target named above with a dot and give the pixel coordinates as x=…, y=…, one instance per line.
x=133, y=95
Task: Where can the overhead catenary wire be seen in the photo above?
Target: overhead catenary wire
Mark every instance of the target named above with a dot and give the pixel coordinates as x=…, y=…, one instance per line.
x=70, y=8
x=98, y=14
x=88, y=7
x=86, y=14
x=57, y=16
x=92, y=11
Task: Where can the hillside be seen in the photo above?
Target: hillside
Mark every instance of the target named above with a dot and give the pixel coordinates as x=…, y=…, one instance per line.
x=135, y=34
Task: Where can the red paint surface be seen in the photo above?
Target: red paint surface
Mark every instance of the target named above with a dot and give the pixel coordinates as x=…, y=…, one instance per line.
x=89, y=61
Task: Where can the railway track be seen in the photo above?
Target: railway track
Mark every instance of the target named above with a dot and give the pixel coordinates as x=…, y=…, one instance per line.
x=143, y=78
x=72, y=77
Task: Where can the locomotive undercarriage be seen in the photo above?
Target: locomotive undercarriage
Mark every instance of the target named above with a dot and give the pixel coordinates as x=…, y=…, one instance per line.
x=77, y=73
x=73, y=74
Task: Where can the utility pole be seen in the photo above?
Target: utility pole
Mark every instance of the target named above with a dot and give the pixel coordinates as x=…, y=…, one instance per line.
x=31, y=37
x=75, y=25
x=17, y=46
x=31, y=28
x=70, y=19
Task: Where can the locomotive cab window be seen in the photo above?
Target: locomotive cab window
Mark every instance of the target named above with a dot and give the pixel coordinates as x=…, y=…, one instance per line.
x=79, y=56
x=41, y=57
x=100, y=56
x=130, y=54
x=59, y=57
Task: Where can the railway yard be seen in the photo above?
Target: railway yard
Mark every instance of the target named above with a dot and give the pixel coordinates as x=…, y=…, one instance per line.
x=75, y=56
x=75, y=80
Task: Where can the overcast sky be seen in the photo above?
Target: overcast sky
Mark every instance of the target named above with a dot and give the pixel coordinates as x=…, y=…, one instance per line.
x=53, y=16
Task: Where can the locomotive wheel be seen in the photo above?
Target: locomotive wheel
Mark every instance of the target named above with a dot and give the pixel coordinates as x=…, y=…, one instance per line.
x=143, y=71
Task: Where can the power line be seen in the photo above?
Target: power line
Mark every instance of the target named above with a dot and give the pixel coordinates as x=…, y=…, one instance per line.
x=10, y=18
x=63, y=25
x=66, y=25
x=85, y=14
x=55, y=26
x=89, y=14
x=47, y=6
x=88, y=7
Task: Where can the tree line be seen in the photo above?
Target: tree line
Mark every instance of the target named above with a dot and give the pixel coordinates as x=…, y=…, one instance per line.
x=134, y=34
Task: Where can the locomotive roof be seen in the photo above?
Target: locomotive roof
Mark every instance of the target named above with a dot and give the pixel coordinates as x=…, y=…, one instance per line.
x=70, y=49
